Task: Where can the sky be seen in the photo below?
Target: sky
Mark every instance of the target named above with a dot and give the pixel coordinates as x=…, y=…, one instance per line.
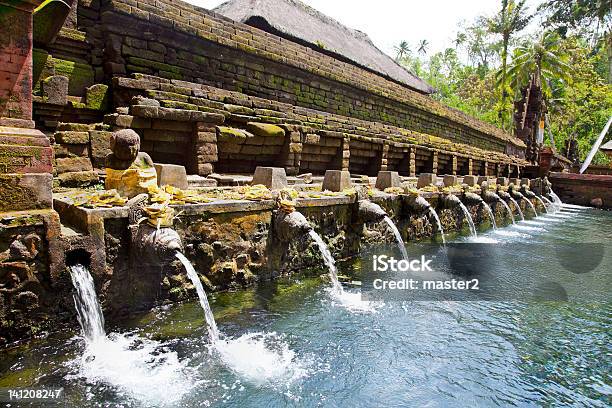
x=388, y=22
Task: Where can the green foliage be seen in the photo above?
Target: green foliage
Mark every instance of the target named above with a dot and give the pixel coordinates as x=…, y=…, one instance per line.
x=573, y=67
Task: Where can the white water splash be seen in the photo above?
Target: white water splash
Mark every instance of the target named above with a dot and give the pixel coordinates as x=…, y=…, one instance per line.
x=438, y=223
x=528, y=228
x=89, y=312
x=491, y=216
x=213, y=331
x=135, y=367
x=263, y=359
x=483, y=240
x=554, y=207
x=518, y=208
x=398, y=237
x=468, y=217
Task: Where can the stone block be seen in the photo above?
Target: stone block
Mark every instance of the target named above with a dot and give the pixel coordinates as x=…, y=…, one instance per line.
x=171, y=174
x=470, y=180
x=78, y=179
x=386, y=179
x=265, y=129
x=482, y=179
x=426, y=179
x=204, y=169
x=515, y=181
x=502, y=181
x=67, y=164
x=274, y=178
x=71, y=137
x=526, y=181
x=336, y=180
x=450, y=181
x=96, y=97
x=25, y=191
x=100, y=146
x=55, y=89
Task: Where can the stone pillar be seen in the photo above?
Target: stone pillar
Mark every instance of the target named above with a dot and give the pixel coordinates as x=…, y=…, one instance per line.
x=412, y=161
x=346, y=152
x=454, y=173
x=205, y=146
x=384, y=159
x=26, y=158
x=291, y=154
x=470, y=166
x=486, y=168
x=434, y=162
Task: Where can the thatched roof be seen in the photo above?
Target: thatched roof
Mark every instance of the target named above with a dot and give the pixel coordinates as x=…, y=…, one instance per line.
x=301, y=23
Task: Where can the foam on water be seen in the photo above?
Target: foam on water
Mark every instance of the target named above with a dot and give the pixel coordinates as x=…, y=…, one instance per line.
x=135, y=367
x=352, y=301
x=483, y=240
x=528, y=228
x=263, y=359
x=580, y=207
x=530, y=222
x=507, y=233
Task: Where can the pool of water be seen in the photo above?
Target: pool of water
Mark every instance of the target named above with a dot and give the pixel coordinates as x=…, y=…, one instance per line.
x=294, y=343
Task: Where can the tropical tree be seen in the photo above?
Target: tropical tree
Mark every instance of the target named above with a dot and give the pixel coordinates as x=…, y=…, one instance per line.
x=402, y=50
x=512, y=18
x=423, y=47
x=544, y=57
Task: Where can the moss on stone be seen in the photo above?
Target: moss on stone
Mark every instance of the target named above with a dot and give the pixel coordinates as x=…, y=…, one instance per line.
x=96, y=97
x=178, y=105
x=228, y=134
x=80, y=75
x=265, y=129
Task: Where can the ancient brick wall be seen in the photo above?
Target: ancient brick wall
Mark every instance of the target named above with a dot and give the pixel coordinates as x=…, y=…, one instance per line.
x=15, y=68
x=173, y=39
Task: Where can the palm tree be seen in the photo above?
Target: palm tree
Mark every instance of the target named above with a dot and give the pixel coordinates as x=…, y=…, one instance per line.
x=403, y=50
x=423, y=47
x=512, y=18
x=544, y=58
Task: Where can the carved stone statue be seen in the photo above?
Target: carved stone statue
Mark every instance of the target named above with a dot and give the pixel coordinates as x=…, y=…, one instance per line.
x=128, y=170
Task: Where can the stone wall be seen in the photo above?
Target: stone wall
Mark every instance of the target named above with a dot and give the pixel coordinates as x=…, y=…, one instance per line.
x=175, y=40
x=583, y=189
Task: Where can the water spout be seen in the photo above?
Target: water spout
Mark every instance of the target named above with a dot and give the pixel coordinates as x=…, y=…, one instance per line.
x=329, y=261
x=418, y=203
x=88, y=308
x=542, y=202
x=518, y=208
x=491, y=215
x=508, y=210
x=468, y=217
x=398, y=237
x=213, y=332
x=472, y=198
x=370, y=212
x=438, y=223
x=292, y=225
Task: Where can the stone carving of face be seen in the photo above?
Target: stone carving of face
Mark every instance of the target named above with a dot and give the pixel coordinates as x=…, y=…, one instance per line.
x=125, y=144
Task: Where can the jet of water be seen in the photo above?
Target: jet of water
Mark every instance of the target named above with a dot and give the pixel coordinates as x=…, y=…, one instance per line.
x=554, y=207
x=491, y=216
x=530, y=205
x=508, y=210
x=88, y=308
x=213, y=332
x=329, y=261
x=518, y=207
x=468, y=217
x=543, y=205
x=398, y=237
x=439, y=224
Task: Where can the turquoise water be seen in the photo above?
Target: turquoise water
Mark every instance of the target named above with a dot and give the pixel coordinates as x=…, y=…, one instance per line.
x=293, y=343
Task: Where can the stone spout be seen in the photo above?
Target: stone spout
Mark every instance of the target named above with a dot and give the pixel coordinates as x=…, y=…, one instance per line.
x=156, y=245
x=503, y=194
x=490, y=196
x=370, y=212
x=514, y=193
x=450, y=201
x=527, y=193
x=471, y=198
x=418, y=204
x=289, y=226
